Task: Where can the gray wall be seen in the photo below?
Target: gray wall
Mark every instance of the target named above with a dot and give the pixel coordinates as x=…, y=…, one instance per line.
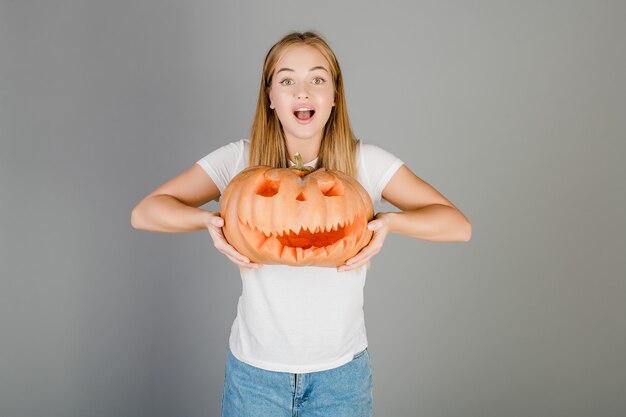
x=514, y=111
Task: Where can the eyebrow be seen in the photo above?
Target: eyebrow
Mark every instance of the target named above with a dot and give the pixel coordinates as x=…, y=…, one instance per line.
x=312, y=69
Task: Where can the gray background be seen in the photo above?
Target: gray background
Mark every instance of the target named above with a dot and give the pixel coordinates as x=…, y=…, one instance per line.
x=513, y=110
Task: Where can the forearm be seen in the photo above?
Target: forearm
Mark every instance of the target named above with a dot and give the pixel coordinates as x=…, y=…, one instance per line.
x=164, y=213
x=437, y=222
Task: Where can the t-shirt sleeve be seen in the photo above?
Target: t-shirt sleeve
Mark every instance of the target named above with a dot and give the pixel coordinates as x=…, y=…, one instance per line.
x=380, y=165
x=222, y=164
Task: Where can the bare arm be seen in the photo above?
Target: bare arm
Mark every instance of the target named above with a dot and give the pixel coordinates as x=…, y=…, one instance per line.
x=173, y=207
x=426, y=214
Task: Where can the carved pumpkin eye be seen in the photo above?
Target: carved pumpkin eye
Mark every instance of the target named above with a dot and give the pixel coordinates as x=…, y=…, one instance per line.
x=331, y=188
x=267, y=187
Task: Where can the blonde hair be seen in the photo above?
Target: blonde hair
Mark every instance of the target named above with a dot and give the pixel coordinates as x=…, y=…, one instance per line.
x=267, y=139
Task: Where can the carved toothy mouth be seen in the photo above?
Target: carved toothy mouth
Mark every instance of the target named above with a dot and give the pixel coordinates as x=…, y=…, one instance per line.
x=291, y=245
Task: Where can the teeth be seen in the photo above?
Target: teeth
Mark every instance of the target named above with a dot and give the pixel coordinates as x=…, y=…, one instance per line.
x=307, y=254
x=270, y=240
x=288, y=253
x=335, y=247
x=265, y=242
x=266, y=235
x=351, y=241
x=303, y=109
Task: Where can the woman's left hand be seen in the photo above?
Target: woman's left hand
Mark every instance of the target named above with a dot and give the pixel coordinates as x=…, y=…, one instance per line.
x=380, y=226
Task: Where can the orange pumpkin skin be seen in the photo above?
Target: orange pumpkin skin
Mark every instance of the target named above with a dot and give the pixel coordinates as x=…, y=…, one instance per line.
x=294, y=217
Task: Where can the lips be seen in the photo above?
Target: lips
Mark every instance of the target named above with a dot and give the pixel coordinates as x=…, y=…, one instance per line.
x=303, y=112
x=302, y=106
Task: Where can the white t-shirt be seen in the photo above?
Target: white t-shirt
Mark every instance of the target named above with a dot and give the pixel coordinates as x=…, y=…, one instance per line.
x=300, y=319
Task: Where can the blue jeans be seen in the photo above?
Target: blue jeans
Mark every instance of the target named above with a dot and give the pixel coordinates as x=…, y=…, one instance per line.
x=254, y=392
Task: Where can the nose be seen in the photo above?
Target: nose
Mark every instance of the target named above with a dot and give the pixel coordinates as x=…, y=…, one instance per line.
x=302, y=92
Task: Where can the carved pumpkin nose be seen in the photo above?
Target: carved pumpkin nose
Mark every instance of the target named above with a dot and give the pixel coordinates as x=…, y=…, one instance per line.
x=301, y=197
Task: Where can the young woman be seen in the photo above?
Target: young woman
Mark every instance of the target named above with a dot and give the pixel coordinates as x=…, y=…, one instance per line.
x=298, y=344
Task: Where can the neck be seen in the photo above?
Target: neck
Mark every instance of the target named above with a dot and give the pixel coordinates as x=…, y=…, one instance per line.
x=309, y=149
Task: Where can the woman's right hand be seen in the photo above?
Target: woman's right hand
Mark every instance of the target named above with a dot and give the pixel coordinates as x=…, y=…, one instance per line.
x=219, y=241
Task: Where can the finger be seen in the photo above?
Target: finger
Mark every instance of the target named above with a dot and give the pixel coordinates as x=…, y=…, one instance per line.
x=216, y=221
x=354, y=265
x=216, y=233
x=231, y=252
x=218, y=236
x=365, y=253
x=236, y=261
x=235, y=253
x=220, y=243
x=243, y=264
x=363, y=256
x=225, y=248
x=238, y=258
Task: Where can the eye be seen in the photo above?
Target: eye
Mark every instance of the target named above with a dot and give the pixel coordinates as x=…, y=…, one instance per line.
x=319, y=78
x=331, y=188
x=267, y=186
x=283, y=81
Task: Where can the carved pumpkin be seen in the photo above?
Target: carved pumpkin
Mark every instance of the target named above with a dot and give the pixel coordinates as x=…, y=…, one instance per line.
x=296, y=216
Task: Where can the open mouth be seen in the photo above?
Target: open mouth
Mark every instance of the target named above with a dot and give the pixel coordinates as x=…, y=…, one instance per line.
x=304, y=115
x=289, y=245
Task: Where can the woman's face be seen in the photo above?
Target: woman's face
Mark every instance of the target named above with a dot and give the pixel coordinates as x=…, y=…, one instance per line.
x=302, y=79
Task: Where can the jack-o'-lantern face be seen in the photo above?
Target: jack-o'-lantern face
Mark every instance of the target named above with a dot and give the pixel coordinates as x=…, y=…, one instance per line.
x=294, y=217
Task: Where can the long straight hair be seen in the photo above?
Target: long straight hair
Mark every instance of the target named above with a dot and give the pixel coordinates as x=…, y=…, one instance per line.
x=267, y=139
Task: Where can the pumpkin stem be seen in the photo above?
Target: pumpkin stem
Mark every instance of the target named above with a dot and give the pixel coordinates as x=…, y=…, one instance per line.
x=300, y=169
x=299, y=165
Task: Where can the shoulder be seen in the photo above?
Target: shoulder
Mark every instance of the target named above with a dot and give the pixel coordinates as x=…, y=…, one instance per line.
x=376, y=166
x=374, y=158
x=233, y=150
x=223, y=163
x=371, y=153
x=237, y=146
